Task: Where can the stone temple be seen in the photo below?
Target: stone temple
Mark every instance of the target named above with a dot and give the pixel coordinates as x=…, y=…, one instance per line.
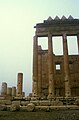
x=48, y=81
x=55, y=84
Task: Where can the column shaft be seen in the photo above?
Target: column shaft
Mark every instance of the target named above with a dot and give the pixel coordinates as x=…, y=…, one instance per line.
x=35, y=67
x=40, y=74
x=20, y=84
x=78, y=42
x=50, y=67
x=66, y=67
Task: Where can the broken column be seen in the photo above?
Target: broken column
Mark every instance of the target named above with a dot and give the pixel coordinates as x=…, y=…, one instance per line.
x=35, y=67
x=4, y=89
x=19, y=84
x=13, y=91
x=50, y=67
x=9, y=91
x=66, y=67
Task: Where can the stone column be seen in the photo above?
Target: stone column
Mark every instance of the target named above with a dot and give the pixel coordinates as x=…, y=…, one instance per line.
x=23, y=94
x=35, y=67
x=20, y=84
x=66, y=67
x=50, y=67
x=9, y=91
x=39, y=72
x=78, y=42
x=13, y=91
x=4, y=89
x=78, y=48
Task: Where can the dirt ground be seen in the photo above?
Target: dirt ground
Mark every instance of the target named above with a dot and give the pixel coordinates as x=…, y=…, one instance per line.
x=54, y=115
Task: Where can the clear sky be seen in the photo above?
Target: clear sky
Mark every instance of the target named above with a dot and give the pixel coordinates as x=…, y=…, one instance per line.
x=17, y=19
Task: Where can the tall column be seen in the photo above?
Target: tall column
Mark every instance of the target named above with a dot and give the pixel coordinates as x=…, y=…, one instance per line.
x=50, y=67
x=35, y=67
x=66, y=67
x=20, y=84
x=78, y=42
x=78, y=48
x=39, y=73
x=4, y=89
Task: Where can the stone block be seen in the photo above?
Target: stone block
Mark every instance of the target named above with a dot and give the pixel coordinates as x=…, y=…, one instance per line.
x=56, y=103
x=5, y=102
x=3, y=107
x=45, y=103
x=23, y=108
x=24, y=103
x=42, y=108
x=30, y=107
x=36, y=103
x=16, y=102
x=14, y=107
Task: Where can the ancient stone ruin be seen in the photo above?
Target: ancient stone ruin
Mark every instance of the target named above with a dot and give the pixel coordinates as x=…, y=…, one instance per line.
x=52, y=88
x=47, y=80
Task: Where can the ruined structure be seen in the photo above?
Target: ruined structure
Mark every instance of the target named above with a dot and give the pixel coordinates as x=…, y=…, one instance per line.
x=48, y=81
x=55, y=78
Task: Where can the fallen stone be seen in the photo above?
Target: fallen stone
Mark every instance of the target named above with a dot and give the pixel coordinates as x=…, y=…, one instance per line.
x=24, y=103
x=14, y=107
x=23, y=108
x=3, y=107
x=30, y=107
x=42, y=108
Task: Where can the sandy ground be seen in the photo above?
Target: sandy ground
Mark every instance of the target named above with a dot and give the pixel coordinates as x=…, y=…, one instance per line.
x=54, y=115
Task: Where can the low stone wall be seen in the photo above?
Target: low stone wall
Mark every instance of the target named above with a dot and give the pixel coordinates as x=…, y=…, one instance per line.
x=26, y=104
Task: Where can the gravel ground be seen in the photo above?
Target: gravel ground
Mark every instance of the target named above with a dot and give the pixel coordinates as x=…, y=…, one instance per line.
x=54, y=115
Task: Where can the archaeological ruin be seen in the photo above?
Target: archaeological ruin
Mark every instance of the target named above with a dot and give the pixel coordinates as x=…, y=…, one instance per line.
x=47, y=80
x=55, y=83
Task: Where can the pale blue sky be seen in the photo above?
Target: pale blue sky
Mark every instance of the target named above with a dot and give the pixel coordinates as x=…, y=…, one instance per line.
x=17, y=19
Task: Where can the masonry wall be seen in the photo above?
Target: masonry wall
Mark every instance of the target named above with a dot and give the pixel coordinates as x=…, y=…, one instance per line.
x=59, y=74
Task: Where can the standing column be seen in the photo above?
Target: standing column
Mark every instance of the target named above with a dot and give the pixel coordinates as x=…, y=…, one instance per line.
x=9, y=91
x=13, y=91
x=20, y=84
x=66, y=67
x=78, y=42
x=4, y=89
x=50, y=68
x=40, y=72
x=35, y=67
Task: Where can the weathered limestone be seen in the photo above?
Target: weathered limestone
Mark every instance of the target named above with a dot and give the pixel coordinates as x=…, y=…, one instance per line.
x=39, y=73
x=14, y=107
x=4, y=89
x=23, y=94
x=35, y=68
x=20, y=84
x=30, y=107
x=9, y=91
x=78, y=42
x=13, y=91
x=50, y=67
x=66, y=67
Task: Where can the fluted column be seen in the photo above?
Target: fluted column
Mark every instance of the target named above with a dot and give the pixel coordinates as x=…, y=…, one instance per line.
x=66, y=67
x=50, y=67
x=35, y=67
